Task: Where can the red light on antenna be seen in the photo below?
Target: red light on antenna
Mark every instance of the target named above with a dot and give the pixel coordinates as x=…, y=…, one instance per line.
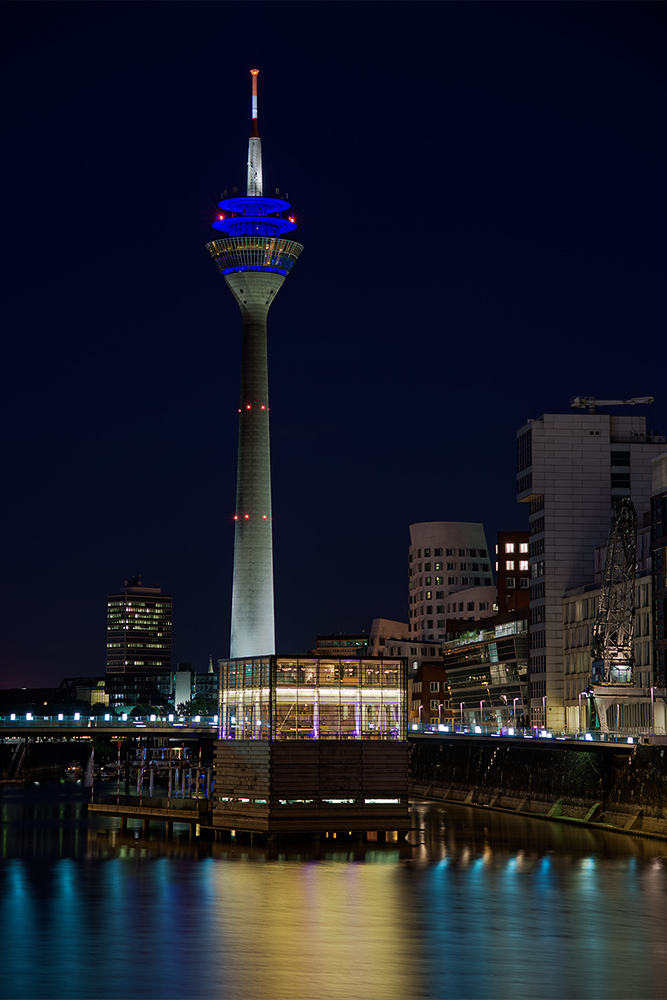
x=247, y=516
x=264, y=517
x=263, y=407
x=236, y=517
x=247, y=406
x=254, y=72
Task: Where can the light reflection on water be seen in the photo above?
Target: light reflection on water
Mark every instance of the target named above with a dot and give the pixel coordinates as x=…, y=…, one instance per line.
x=481, y=905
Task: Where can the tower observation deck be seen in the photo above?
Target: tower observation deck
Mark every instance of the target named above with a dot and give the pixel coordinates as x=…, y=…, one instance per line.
x=254, y=258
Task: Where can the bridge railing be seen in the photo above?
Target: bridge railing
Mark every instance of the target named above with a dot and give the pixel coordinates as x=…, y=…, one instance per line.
x=532, y=733
x=32, y=720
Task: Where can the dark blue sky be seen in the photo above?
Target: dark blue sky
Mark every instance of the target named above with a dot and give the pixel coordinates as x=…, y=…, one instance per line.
x=480, y=193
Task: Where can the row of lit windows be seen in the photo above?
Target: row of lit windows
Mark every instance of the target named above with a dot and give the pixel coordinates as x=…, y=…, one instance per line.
x=138, y=604
x=510, y=547
x=523, y=565
x=141, y=645
x=481, y=553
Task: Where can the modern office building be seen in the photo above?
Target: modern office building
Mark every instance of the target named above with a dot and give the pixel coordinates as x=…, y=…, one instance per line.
x=138, y=630
x=254, y=259
x=138, y=645
x=487, y=671
x=312, y=744
x=659, y=567
x=445, y=557
x=341, y=644
x=569, y=469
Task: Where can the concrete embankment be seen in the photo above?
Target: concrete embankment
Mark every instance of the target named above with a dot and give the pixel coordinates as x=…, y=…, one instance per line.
x=605, y=786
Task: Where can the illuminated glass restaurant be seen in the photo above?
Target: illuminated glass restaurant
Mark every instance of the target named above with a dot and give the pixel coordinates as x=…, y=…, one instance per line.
x=311, y=698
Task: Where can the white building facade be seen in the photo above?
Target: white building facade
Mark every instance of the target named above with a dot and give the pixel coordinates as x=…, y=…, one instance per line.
x=569, y=469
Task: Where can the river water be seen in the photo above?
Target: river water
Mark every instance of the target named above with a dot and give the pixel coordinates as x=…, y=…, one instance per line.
x=481, y=905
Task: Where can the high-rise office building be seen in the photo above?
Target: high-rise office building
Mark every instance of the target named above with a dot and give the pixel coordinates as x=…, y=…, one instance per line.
x=569, y=469
x=659, y=565
x=138, y=630
x=254, y=259
x=446, y=557
x=138, y=646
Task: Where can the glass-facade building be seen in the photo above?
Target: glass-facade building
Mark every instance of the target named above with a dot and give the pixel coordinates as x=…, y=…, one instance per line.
x=312, y=698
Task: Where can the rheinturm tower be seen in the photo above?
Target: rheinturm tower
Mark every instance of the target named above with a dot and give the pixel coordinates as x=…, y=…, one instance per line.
x=255, y=258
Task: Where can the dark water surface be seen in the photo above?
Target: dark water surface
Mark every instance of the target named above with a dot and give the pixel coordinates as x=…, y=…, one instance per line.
x=483, y=905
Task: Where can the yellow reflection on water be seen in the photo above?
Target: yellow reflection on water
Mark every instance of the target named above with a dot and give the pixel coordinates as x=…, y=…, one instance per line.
x=325, y=929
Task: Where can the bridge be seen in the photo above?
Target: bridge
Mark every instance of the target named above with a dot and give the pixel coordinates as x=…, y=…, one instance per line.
x=33, y=724
x=195, y=727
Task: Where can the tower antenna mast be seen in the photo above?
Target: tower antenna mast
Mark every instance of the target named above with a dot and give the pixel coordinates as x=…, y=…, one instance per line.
x=255, y=183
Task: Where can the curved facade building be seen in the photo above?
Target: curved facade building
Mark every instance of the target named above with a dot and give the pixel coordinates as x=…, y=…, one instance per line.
x=446, y=557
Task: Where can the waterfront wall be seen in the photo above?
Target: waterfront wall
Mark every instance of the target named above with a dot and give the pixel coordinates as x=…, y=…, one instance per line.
x=625, y=788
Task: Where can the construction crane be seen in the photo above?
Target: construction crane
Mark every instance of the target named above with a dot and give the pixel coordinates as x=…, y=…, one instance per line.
x=612, y=650
x=591, y=404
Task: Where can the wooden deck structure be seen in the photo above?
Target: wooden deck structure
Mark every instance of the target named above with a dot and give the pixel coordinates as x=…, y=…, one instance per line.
x=311, y=786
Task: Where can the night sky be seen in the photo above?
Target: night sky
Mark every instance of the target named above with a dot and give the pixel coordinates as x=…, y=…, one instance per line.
x=480, y=191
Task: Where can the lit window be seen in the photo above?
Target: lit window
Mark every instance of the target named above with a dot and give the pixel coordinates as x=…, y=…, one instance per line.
x=509, y=564
x=509, y=546
x=523, y=566
x=523, y=547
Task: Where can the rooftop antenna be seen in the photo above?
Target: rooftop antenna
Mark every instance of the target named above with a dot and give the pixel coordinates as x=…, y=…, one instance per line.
x=255, y=185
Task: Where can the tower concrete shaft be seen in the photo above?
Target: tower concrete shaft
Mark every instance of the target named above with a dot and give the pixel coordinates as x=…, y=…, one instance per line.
x=253, y=622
